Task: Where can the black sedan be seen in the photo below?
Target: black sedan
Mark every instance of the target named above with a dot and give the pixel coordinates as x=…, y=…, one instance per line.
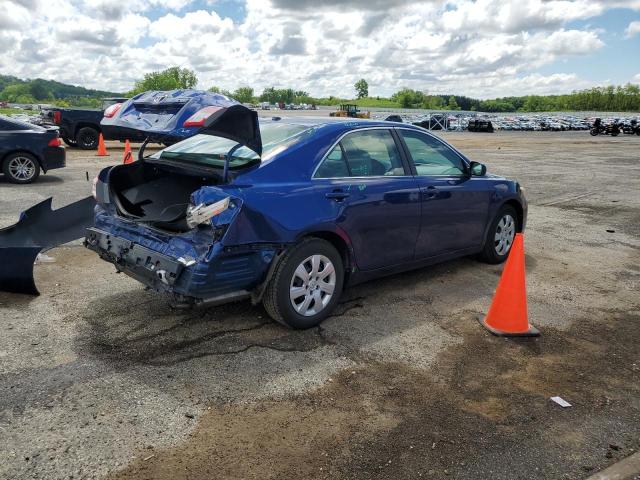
x=27, y=149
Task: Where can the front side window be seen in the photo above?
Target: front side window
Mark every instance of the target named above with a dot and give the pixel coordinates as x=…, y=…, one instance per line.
x=367, y=153
x=430, y=156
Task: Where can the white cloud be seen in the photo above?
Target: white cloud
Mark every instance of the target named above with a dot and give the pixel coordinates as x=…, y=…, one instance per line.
x=482, y=48
x=633, y=29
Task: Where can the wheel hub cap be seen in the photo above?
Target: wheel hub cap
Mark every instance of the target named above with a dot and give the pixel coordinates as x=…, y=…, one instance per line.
x=505, y=233
x=312, y=285
x=22, y=168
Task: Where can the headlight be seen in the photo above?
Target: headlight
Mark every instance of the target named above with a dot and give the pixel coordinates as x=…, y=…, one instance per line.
x=202, y=213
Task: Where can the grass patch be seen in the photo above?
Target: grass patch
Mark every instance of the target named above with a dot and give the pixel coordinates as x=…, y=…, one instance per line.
x=9, y=111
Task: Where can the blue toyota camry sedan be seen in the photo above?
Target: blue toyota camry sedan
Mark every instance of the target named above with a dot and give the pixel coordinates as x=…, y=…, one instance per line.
x=290, y=211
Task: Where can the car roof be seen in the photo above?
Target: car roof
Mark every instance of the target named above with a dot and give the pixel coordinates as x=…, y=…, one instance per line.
x=336, y=122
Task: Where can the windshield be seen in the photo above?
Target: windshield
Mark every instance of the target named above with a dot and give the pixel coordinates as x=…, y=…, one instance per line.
x=209, y=150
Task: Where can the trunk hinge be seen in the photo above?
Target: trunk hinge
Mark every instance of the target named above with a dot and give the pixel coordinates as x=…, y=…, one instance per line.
x=227, y=159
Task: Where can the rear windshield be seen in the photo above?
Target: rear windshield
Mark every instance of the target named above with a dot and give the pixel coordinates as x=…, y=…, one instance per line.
x=209, y=150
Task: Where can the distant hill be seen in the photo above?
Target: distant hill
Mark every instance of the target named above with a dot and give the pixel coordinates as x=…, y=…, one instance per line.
x=13, y=89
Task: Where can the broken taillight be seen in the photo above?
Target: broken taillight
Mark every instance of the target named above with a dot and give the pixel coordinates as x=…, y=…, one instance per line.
x=200, y=117
x=198, y=214
x=55, y=142
x=112, y=110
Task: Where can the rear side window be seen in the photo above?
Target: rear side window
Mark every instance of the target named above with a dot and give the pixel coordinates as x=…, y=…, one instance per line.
x=368, y=153
x=430, y=156
x=334, y=165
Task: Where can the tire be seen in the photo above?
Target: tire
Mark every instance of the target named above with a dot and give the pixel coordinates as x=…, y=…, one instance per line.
x=506, y=229
x=68, y=141
x=593, y=132
x=21, y=168
x=87, y=138
x=614, y=133
x=278, y=300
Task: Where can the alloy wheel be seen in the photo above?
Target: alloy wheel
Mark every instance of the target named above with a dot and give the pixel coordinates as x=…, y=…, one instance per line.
x=312, y=285
x=22, y=168
x=505, y=233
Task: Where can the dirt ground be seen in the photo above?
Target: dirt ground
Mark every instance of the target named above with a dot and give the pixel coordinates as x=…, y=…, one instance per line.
x=101, y=379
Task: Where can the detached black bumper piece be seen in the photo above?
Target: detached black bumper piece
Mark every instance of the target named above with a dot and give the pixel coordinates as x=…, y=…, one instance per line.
x=39, y=228
x=148, y=267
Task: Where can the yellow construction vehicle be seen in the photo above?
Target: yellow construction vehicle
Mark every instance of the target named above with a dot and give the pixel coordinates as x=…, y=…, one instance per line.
x=350, y=110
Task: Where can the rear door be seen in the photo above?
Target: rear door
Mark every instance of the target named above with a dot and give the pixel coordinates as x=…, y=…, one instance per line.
x=454, y=205
x=368, y=190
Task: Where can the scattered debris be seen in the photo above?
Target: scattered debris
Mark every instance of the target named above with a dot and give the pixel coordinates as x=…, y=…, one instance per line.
x=43, y=258
x=560, y=401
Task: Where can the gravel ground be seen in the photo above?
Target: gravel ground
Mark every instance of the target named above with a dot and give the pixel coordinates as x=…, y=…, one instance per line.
x=101, y=379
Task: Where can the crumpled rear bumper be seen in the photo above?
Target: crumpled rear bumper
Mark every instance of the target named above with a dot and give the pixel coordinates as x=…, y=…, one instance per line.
x=148, y=267
x=222, y=276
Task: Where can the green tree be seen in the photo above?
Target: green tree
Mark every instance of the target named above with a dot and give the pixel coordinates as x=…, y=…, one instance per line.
x=453, y=104
x=243, y=94
x=17, y=93
x=40, y=90
x=170, y=79
x=362, y=88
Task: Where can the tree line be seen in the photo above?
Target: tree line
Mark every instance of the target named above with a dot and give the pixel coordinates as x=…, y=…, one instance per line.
x=625, y=98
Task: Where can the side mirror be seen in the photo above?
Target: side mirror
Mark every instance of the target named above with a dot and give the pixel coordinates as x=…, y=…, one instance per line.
x=477, y=169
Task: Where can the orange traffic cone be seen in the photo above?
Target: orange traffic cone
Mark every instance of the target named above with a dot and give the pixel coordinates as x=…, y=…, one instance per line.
x=102, y=149
x=508, y=312
x=128, y=156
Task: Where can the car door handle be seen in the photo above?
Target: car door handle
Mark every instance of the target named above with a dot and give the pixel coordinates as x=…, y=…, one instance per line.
x=337, y=196
x=431, y=192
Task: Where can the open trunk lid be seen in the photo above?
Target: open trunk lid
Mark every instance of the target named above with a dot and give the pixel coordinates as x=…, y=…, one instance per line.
x=166, y=116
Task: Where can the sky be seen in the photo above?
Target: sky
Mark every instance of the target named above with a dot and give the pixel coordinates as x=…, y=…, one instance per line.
x=478, y=48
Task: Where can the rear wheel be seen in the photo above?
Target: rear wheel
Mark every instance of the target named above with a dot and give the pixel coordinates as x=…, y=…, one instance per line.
x=21, y=168
x=593, y=132
x=500, y=236
x=87, y=138
x=70, y=142
x=306, y=284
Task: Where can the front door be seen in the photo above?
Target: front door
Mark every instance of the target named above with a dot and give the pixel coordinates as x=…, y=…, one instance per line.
x=454, y=205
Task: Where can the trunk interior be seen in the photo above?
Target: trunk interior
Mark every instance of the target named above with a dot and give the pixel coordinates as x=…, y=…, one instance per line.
x=155, y=194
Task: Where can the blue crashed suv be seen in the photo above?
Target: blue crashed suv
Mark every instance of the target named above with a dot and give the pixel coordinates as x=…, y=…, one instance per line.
x=288, y=212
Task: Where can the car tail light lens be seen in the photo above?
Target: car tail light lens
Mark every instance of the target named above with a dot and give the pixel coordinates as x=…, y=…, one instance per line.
x=55, y=142
x=112, y=110
x=202, y=213
x=198, y=118
x=57, y=117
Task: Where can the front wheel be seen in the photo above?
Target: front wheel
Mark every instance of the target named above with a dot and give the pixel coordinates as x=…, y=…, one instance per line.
x=500, y=236
x=306, y=285
x=593, y=132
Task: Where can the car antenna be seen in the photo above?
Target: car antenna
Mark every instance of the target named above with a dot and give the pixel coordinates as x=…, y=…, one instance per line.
x=227, y=159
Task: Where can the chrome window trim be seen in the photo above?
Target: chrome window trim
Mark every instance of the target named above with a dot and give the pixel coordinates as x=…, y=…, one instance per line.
x=324, y=157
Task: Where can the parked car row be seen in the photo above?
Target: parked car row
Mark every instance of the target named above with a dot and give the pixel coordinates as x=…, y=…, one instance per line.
x=510, y=122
